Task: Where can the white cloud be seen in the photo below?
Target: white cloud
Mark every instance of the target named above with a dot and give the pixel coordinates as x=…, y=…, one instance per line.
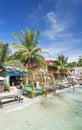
x=59, y=30
x=69, y=48
x=36, y=13
x=54, y=50
x=58, y=36
x=55, y=26
x=73, y=55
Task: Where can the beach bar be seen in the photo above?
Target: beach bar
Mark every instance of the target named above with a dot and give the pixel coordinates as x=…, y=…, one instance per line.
x=13, y=75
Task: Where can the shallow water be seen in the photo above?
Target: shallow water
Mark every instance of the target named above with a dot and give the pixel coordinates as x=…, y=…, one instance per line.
x=61, y=111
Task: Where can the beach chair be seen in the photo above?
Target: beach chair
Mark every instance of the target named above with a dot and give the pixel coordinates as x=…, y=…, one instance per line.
x=37, y=91
x=10, y=98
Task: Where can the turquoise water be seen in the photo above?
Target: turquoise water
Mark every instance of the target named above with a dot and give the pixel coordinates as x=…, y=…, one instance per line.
x=62, y=111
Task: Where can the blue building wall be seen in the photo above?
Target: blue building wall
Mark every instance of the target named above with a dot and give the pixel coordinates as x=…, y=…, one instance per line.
x=9, y=74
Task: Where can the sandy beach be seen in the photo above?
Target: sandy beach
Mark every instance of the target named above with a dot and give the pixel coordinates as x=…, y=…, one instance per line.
x=26, y=100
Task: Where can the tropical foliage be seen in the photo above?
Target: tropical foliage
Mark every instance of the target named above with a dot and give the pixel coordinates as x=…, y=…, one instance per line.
x=28, y=51
x=76, y=63
x=72, y=64
x=14, y=62
x=28, y=48
x=62, y=64
x=4, y=51
x=79, y=63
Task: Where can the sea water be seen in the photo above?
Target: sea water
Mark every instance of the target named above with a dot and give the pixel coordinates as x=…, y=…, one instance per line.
x=61, y=111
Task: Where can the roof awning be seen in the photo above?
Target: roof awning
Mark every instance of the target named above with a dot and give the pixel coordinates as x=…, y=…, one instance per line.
x=18, y=74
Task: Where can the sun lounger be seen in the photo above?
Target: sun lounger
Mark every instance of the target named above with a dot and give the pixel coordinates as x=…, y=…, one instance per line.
x=51, y=89
x=10, y=98
x=28, y=89
x=37, y=91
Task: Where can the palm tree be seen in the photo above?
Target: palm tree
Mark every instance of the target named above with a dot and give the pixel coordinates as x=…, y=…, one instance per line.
x=62, y=64
x=4, y=52
x=79, y=63
x=28, y=49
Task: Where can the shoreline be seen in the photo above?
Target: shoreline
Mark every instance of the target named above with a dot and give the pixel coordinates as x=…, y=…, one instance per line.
x=29, y=101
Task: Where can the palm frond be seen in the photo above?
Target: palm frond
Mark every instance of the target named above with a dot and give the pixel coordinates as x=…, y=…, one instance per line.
x=15, y=62
x=19, y=37
x=44, y=53
x=26, y=55
x=4, y=52
x=19, y=47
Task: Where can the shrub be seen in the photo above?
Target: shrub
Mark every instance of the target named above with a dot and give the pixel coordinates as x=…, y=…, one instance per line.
x=6, y=87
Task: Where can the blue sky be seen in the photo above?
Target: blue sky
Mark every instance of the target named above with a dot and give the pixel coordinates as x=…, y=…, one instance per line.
x=59, y=22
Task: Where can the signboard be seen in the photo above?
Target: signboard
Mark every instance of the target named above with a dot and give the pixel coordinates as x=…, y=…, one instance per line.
x=18, y=74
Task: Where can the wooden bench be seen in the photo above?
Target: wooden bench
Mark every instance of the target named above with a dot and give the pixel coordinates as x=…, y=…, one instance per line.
x=10, y=98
